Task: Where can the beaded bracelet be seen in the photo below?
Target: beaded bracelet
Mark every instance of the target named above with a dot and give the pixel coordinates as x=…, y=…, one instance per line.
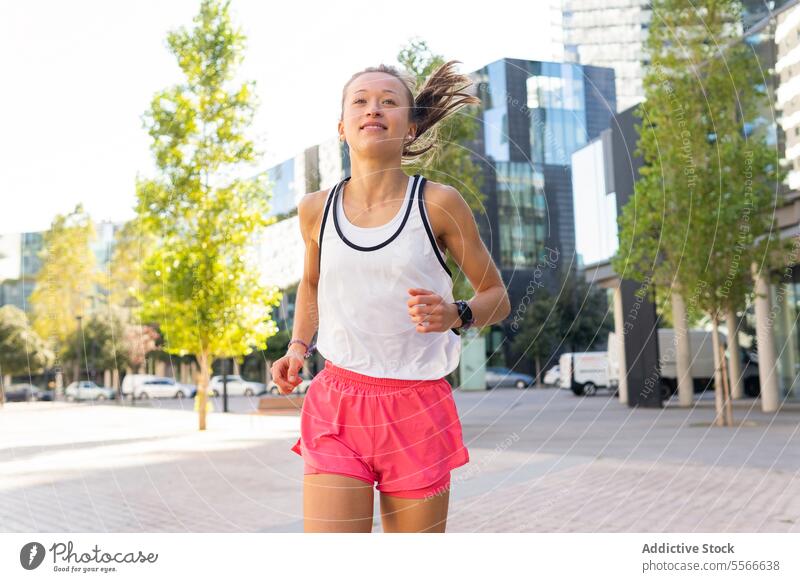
x=309, y=349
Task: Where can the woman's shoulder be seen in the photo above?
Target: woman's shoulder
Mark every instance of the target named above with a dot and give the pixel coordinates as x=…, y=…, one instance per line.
x=309, y=212
x=442, y=198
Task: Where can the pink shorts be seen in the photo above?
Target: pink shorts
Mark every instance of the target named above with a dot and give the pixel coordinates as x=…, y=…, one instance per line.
x=404, y=434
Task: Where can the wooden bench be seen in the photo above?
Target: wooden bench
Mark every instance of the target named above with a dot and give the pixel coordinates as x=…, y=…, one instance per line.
x=291, y=403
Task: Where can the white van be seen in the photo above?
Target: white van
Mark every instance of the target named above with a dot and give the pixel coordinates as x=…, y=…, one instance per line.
x=585, y=372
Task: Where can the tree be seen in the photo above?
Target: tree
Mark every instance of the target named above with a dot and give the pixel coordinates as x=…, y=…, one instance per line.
x=540, y=332
x=585, y=320
x=132, y=244
x=138, y=341
x=98, y=343
x=65, y=284
x=451, y=162
x=703, y=208
x=200, y=285
x=22, y=351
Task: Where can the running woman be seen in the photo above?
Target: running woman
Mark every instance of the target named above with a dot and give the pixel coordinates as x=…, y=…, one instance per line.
x=378, y=292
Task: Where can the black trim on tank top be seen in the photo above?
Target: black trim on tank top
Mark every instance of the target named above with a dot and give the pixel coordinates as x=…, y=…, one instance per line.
x=324, y=220
x=387, y=241
x=429, y=230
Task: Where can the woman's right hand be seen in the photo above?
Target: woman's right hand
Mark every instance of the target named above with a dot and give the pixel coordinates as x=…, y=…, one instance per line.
x=286, y=371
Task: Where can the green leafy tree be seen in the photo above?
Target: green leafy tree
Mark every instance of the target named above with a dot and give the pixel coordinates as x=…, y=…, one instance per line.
x=132, y=244
x=98, y=343
x=703, y=207
x=540, y=330
x=585, y=318
x=201, y=285
x=66, y=283
x=22, y=350
x=451, y=162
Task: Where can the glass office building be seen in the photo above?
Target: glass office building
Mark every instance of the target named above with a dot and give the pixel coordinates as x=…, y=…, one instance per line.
x=534, y=116
x=609, y=33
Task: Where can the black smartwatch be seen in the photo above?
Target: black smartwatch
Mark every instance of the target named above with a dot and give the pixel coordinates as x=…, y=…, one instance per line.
x=465, y=314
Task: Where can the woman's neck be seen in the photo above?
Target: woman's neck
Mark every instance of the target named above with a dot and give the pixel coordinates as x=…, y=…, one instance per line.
x=371, y=184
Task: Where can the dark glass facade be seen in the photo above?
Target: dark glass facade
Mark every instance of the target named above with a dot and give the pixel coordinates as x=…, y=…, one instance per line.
x=534, y=116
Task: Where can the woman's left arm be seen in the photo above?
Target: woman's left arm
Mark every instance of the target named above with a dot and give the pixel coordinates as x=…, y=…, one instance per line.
x=452, y=221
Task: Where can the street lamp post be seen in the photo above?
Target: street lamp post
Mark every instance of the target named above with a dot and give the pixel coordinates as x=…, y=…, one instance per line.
x=225, y=385
x=78, y=366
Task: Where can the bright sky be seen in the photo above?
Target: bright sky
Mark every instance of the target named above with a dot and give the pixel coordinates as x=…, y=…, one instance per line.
x=79, y=75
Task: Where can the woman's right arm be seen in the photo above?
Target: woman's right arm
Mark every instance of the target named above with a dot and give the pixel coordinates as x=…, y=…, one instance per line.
x=285, y=371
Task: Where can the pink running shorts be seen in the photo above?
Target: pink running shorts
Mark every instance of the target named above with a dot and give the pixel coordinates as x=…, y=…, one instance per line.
x=404, y=434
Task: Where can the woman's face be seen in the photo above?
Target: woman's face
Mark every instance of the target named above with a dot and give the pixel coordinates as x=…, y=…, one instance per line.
x=376, y=117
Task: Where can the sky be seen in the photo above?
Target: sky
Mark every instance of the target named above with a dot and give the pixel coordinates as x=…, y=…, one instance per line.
x=78, y=76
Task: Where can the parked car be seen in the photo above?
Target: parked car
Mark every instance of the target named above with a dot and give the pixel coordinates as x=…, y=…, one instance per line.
x=499, y=377
x=147, y=386
x=131, y=380
x=237, y=386
x=27, y=393
x=585, y=372
x=552, y=377
x=87, y=390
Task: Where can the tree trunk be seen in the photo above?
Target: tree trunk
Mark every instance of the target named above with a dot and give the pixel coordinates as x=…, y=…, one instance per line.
x=683, y=355
x=538, y=371
x=736, y=390
x=726, y=390
x=202, y=387
x=718, y=364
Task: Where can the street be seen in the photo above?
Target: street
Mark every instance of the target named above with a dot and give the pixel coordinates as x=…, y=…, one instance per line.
x=541, y=460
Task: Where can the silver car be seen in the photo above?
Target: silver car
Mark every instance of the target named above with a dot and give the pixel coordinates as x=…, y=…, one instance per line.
x=498, y=377
x=87, y=390
x=161, y=387
x=237, y=386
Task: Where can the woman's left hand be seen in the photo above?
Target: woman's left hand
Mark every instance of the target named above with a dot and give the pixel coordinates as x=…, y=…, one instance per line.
x=431, y=312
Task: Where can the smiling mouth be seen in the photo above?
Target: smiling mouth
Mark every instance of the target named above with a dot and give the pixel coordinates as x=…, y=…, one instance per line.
x=378, y=127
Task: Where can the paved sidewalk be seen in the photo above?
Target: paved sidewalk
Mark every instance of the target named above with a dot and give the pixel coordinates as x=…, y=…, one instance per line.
x=540, y=460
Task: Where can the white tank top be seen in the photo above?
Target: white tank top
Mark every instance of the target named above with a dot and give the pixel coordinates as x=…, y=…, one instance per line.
x=364, y=277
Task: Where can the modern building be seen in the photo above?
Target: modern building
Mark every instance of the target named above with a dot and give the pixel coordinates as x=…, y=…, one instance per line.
x=609, y=34
x=316, y=167
x=20, y=261
x=612, y=33
x=534, y=115
x=604, y=175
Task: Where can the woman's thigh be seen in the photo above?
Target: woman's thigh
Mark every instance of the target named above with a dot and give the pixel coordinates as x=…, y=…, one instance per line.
x=337, y=503
x=424, y=515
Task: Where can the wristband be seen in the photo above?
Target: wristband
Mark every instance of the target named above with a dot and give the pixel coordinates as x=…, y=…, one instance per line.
x=309, y=349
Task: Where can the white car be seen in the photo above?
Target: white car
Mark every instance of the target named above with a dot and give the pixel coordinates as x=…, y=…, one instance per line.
x=237, y=386
x=144, y=386
x=552, y=376
x=87, y=390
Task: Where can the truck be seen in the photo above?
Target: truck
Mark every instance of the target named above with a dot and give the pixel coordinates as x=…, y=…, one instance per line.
x=701, y=357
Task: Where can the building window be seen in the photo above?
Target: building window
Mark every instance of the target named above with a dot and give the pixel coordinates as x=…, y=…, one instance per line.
x=520, y=211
